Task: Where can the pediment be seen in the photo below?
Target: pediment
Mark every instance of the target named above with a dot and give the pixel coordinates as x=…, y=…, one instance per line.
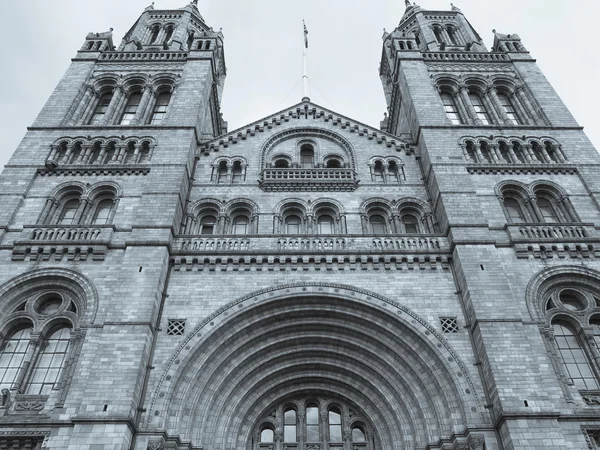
x=306, y=116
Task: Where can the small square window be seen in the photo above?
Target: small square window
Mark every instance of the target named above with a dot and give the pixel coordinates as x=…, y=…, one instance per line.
x=449, y=324
x=176, y=327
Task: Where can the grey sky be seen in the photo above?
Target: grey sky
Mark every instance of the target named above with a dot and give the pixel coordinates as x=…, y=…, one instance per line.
x=263, y=50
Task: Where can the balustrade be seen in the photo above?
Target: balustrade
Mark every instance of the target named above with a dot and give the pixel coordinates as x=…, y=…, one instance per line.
x=52, y=234
x=339, y=179
x=215, y=244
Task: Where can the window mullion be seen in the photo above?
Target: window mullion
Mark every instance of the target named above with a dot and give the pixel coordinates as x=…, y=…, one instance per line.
x=36, y=346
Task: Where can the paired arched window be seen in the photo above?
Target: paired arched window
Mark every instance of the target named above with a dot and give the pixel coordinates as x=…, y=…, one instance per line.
x=537, y=204
x=71, y=207
x=34, y=353
x=237, y=217
x=229, y=170
x=386, y=170
x=573, y=315
x=307, y=424
x=407, y=217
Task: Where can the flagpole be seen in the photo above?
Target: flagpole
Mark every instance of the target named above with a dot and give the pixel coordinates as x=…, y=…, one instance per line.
x=306, y=97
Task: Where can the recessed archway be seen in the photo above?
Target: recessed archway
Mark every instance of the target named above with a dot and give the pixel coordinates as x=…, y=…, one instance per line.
x=323, y=340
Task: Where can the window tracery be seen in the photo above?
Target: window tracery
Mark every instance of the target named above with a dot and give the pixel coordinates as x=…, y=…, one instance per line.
x=313, y=423
x=40, y=336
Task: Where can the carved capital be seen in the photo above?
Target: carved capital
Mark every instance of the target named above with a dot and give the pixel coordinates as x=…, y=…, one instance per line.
x=476, y=442
x=156, y=444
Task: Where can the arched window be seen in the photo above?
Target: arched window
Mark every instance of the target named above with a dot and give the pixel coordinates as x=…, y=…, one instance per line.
x=207, y=225
x=451, y=108
x=76, y=153
x=547, y=210
x=267, y=435
x=515, y=212
x=504, y=152
x=312, y=423
x=168, y=33
x=281, y=163
x=190, y=40
x=471, y=153
x=574, y=359
x=13, y=354
x=101, y=108
x=410, y=224
x=160, y=108
x=240, y=225
x=95, y=155
x=50, y=362
x=333, y=163
x=237, y=173
x=335, y=425
x=154, y=34
x=480, y=109
x=129, y=153
x=378, y=176
x=394, y=171
x=509, y=108
x=110, y=153
x=452, y=35
x=290, y=426
x=552, y=151
x=69, y=212
x=438, y=35
x=133, y=103
x=486, y=152
x=307, y=156
x=378, y=224
x=292, y=224
x=222, y=172
x=145, y=153
x=358, y=435
x=325, y=224
x=519, y=152
x=103, y=212
x=537, y=152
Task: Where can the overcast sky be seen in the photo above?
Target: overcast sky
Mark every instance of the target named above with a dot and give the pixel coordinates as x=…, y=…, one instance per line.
x=263, y=49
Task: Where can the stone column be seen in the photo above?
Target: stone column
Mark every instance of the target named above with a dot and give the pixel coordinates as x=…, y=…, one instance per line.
x=530, y=109
x=83, y=104
x=67, y=156
x=36, y=345
x=343, y=225
x=278, y=440
x=545, y=154
x=364, y=221
x=469, y=106
x=86, y=151
x=479, y=154
x=496, y=155
x=254, y=224
x=536, y=210
x=492, y=107
x=347, y=437
x=301, y=430
x=136, y=154
x=112, y=107
x=521, y=110
x=221, y=224
x=100, y=159
x=310, y=224
x=89, y=108
x=513, y=156
x=52, y=156
x=430, y=222
x=465, y=152
x=397, y=223
x=140, y=114
x=119, y=153
x=48, y=207
x=324, y=430
x=566, y=202
x=464, y=114
x=529, y=156
x=276, y=224
x=83, y=204
x=502, y=116
x=560, y=154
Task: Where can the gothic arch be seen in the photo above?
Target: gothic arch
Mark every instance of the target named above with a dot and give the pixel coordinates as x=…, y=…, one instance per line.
x=551, y=277
x=322, y=338
x=85, y=294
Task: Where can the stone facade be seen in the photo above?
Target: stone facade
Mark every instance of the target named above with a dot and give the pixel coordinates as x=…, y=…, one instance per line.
x=305, y=282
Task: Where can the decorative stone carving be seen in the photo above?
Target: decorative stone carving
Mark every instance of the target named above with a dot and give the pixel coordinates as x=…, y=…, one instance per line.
x=591, y=399
x=29, y=404
x=5, y=399
x=156, y=444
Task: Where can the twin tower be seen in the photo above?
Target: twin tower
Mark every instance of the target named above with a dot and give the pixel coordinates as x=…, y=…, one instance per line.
x=305, y=282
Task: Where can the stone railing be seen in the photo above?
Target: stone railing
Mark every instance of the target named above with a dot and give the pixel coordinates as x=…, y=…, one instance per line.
x=320, y=179
x=215, y=245
x=276, y=244
x=552, y=232
x=308, y=244
x=464, y=56
x=143, y=56
x=64, y=234
x=407, y=243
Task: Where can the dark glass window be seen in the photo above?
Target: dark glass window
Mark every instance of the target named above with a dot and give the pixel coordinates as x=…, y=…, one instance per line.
x=480, y=110
x=335, y=425
x=237, y=173
x=451, y=109
x=68, y=213
x=509, y=108
x=240, y=225
x=312, y=424
x=378, y=225
x=101, y=108
x=207, y=225
x=547, y=210
x=575, y=361
x=289, y=426
x=411, y=224
x=133, y=103
x=515, y=213
x=325, y=225
x=160, y=108
x=307, y=156
x=102, y=213
x=13, y=355
x=50, y=363
x=292, y=225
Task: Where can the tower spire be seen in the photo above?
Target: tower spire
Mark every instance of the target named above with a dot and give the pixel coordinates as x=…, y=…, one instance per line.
x=306, y=97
